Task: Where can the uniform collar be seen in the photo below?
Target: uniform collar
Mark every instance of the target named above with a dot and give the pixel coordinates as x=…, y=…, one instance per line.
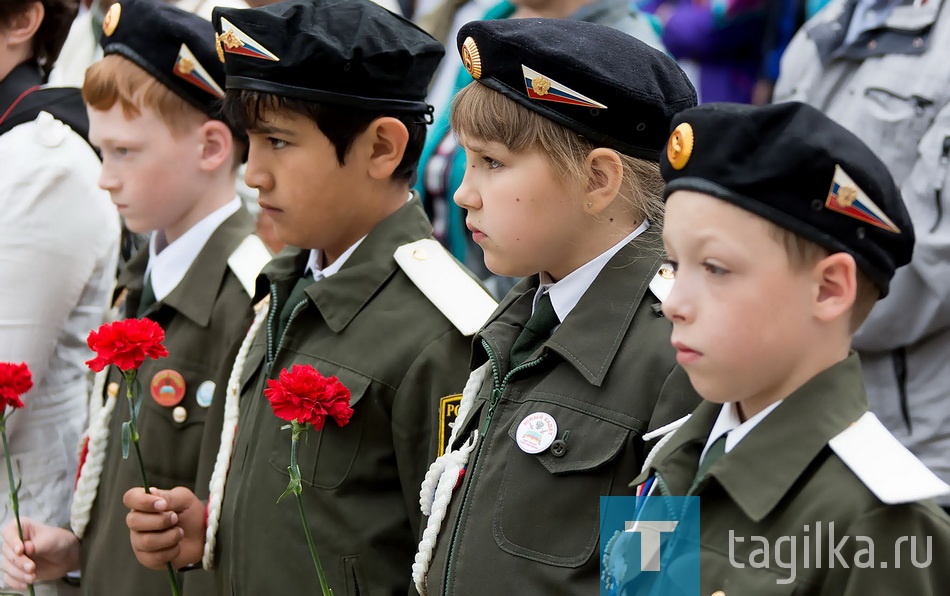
x=194, y=297
x=612, y=297
x=567, y=292
x=341, y=297
x=168, y=268
x=757, y=474
x=729, y=422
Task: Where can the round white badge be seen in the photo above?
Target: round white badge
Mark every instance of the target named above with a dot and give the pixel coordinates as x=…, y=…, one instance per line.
x=205, y=394
x=536, y=432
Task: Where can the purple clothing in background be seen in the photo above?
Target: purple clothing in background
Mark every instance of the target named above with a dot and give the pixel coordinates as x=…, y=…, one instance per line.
x=724, y=39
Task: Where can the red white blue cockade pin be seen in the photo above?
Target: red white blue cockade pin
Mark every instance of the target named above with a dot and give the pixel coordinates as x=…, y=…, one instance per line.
x=235, y=41
x=846, y=197
x=189, y=68
x=544, y=88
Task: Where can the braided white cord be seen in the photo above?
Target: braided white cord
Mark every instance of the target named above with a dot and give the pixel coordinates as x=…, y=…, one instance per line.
x=441, y=479
x=231, y=413
x=87, y=486
x=667, y=433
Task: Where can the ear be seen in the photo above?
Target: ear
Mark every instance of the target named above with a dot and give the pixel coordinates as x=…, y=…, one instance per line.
x=836, y=281
x=217, y=145
x=605, y=175
x=25, y=24
x=383, y=144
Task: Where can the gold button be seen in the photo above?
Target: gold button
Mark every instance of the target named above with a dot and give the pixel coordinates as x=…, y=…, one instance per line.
x=113, y=389
x=718, y=593
x=420, y=254
x=180, y=414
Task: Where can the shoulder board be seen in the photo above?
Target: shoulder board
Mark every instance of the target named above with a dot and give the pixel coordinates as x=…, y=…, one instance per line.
x=247, y=260
x=885, y=466
x=662, y=282
x=446, y=284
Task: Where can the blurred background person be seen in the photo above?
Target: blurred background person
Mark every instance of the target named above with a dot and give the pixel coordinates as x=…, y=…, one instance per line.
x=880, y=69
x=717, y=42
x=59, y=236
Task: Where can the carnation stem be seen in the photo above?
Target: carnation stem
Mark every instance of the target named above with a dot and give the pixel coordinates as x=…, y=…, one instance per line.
x=14, y=489
x=298, y=429
x=133, y=428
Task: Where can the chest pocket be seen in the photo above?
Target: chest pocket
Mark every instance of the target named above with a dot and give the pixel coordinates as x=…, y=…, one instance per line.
x=568, y=477
x=171, y=440
x=325, y=457
x=746, y=581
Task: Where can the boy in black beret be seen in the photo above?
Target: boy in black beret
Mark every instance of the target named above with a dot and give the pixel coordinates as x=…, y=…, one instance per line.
x=332, y=95
x=784, y=229
x=169, y=163
x=562, y=130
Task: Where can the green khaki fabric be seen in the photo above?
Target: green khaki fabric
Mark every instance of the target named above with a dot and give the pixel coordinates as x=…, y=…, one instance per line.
x=783, y=480
x=369, y=325
x=202, y=317
x=528, y=524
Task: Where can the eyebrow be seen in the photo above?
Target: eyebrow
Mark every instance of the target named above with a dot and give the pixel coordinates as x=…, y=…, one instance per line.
x=265, y=129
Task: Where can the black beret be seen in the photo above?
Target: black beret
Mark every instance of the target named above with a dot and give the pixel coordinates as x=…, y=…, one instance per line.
x=343, y=52
x=174, y=46
x=610, y=87
x=795, y=167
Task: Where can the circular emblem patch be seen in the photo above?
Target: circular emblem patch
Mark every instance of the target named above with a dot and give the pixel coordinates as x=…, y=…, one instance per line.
x=471, y=59
x=680, y=146
x=111, y=20
x=205, y=394
x=536, y=432
x=168, y=387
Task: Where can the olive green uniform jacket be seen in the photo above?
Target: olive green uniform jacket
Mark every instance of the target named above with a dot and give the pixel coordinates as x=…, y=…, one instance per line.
x=528, y=524
x=370, y=326
x=207, y=312
x=782, y=479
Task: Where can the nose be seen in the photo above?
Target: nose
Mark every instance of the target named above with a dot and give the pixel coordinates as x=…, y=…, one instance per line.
x=677, y=305
x=466, y=196
x=107, y=178
x=255, y=175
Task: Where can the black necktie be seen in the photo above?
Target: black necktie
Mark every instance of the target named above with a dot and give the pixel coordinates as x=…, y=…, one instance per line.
x=535, y=332
x=148, y=296
x=714, y=454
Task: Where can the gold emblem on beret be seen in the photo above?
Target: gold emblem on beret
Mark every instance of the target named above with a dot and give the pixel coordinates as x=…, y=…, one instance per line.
x=111, y=20
x=230, y=40
x=847, y=195
x=541, y=85
x=219, y=48
x=471, y=58
x=186, y=66
x=680, y=146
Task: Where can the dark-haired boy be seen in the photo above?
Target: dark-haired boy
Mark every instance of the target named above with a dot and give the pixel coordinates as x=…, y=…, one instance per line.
x=336, y=122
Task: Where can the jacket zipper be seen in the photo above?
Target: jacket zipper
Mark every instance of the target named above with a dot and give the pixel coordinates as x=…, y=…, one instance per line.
x=498, y=389
x=271, y=352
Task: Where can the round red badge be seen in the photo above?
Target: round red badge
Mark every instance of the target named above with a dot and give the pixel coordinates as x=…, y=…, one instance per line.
x=168, y=388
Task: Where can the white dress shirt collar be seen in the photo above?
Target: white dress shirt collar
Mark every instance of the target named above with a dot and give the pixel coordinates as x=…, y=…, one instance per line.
x=566, y=293
x=316, y=257
x=168, y=266
x=729, y=422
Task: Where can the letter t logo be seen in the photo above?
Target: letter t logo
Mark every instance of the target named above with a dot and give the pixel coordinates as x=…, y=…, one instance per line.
x=650, y=540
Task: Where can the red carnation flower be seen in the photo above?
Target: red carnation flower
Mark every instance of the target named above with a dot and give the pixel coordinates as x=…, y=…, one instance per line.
x=15, y=380
x=304, y=395
x=126, y=344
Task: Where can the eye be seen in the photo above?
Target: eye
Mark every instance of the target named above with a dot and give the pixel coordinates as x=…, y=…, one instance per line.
x=120, y=151
x=713, y=269
x=276, y=143
x=492, y=163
